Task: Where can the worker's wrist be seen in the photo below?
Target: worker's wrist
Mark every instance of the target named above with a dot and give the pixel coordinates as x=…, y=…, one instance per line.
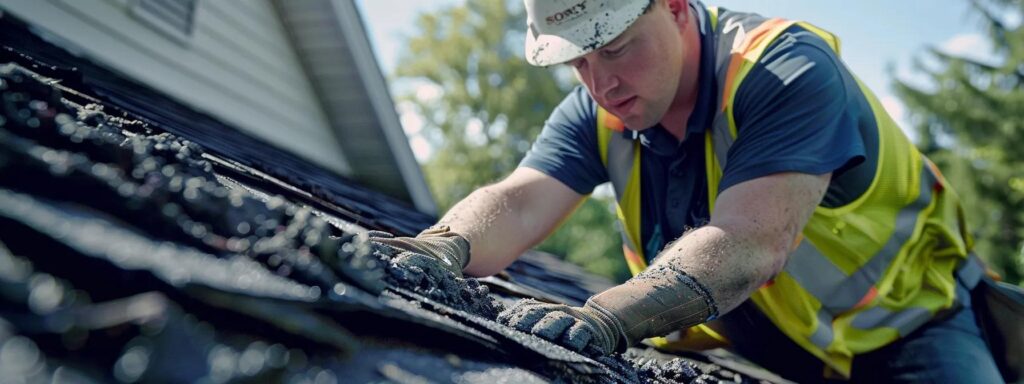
x=611, y=335
x=657, y=302
x=456, y=243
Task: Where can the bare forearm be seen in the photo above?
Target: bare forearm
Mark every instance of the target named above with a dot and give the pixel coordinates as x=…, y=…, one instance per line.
x=732, y=268
x=503, y=220
x=485, y=218
x=707, y=272
x=748, y=240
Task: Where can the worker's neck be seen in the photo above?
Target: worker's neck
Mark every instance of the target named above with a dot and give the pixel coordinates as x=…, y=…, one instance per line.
x=686, y=95
x=679, y=113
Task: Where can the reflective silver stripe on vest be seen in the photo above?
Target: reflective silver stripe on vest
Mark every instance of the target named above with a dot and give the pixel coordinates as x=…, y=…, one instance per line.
x=971, y=271
x=817, y=273
x=731, y=30
x=620, y=162
x=905, y=320
x=721, y=138
x=822, y=335
x=818, y=276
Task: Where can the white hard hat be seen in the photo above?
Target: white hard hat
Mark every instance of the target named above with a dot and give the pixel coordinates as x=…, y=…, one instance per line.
x=562, y=30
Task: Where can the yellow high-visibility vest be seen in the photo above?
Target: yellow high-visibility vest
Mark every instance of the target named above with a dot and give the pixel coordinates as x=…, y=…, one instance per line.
x=864, y=274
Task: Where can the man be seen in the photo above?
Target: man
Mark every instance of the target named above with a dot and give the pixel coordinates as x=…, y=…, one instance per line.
x=798, y=209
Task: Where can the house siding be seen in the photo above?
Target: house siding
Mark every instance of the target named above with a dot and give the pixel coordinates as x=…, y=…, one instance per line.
x=331, y=40
x=236, y=65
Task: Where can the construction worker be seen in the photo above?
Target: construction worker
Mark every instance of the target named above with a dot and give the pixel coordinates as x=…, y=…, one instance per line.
x=758, y=183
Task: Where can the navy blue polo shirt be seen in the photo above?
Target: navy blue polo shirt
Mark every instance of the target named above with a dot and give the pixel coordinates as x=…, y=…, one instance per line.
x=796, y=111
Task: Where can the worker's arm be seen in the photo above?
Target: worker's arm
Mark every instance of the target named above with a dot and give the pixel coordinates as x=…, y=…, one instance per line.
x=487, y=230
x=503, y=220
x=752, y=230
x=710, y=270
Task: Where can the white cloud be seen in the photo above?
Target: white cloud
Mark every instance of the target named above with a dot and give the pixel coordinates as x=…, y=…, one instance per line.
x=913, y=76
x=969, y=45
x=1012, y=20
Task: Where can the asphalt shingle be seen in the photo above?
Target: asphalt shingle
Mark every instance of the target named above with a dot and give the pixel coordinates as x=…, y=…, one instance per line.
x=135, y=248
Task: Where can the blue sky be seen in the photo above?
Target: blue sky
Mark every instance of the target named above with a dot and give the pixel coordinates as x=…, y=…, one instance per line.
x=878, y=37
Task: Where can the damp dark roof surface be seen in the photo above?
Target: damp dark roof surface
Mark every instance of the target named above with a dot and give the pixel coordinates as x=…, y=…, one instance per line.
x=142, y=249
x=121, y=96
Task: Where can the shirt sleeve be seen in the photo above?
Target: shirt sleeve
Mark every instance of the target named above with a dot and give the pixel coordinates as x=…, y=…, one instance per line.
x=794, y=113
x=566, y=148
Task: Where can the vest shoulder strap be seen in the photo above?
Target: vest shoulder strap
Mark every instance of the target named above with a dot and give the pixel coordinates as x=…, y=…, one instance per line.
x=621, y=158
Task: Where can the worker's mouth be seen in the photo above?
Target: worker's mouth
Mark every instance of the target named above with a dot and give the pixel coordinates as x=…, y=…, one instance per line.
x=623, y=107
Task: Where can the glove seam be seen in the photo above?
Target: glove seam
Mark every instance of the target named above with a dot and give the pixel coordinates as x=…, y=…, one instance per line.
x=609, y=319
x=696, y=287
x=703, y=292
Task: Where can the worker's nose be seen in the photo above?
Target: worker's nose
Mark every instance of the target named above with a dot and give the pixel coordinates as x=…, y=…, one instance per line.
x=602, y=81
x=598, y=79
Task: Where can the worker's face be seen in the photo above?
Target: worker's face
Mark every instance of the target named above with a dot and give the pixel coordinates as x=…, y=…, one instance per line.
x=636, y=76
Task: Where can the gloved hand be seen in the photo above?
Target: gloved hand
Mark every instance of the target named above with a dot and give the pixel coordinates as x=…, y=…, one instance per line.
x=573, y=327
x=656, y=302
x=436, y=247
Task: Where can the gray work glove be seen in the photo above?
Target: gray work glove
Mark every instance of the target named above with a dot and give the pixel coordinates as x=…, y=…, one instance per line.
x=578, y=328
x=436, y=247
x=656, y=302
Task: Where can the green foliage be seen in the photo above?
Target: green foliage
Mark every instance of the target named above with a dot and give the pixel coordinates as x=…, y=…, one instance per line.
x=491, y=104
x=969, y=121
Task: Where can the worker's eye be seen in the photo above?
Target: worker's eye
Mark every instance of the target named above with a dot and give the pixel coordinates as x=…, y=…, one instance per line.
x=614, y=51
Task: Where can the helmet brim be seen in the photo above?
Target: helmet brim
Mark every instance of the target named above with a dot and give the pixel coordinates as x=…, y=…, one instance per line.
x=587, y=35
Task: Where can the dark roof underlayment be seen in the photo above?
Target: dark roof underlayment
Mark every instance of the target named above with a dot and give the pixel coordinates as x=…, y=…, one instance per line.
x=143, y=242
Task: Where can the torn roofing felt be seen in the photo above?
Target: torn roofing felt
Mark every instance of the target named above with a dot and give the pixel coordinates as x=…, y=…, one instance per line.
x=131, y=253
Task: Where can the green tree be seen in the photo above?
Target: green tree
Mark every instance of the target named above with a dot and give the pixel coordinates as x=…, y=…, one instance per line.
x=969, y=120
x=491, y=104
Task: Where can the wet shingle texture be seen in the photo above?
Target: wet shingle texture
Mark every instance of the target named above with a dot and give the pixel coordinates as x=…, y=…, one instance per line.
x=129, y=254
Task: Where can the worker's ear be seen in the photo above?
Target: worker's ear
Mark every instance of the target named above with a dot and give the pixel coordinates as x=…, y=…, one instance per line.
x=680, y=10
